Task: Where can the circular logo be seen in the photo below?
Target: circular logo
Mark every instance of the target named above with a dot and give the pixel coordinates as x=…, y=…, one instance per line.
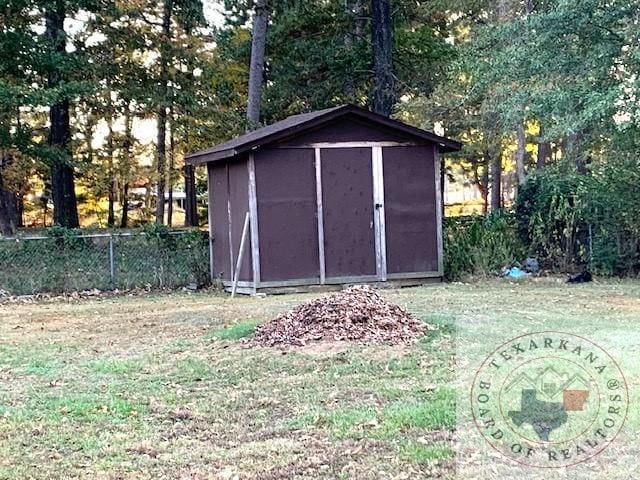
x=549, y=399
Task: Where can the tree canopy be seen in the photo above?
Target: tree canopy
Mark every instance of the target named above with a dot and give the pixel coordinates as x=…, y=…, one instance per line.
x=101, y=99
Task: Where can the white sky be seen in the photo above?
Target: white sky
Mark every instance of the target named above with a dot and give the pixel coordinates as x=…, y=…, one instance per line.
x=214, y=12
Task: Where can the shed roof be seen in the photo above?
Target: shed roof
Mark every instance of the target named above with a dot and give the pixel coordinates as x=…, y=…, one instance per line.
x=297, y=124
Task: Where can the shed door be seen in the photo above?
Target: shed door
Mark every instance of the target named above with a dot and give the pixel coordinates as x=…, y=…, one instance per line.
x=410, y=210
x=348, y=213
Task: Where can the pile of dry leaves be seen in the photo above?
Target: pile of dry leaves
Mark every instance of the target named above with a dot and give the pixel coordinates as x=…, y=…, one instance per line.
x=358, y=314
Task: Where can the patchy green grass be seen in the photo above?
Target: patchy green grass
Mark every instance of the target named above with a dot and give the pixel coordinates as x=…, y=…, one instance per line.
x=162, y=386
x=429, y=454
x=114, y=366
x=235, y=331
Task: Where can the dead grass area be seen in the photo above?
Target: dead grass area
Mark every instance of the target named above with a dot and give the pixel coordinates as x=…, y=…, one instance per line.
x=161, y=386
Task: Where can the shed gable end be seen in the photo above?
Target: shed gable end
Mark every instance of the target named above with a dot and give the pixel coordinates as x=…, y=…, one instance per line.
x=350, y=129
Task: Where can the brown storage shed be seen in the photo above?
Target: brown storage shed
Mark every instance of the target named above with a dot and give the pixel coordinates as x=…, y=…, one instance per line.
x=335, y=196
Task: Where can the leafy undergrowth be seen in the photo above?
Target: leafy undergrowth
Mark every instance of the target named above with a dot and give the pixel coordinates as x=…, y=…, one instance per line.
x=162, y=387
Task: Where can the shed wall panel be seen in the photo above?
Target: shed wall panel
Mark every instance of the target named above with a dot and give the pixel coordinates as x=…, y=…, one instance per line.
x=349, y=130
x=347, y=196
x=287, y=214
x=410, y=207
x=219, y=223
x=239, y=196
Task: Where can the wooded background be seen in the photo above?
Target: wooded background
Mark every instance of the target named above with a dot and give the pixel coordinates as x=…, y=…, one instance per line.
x=544, y=94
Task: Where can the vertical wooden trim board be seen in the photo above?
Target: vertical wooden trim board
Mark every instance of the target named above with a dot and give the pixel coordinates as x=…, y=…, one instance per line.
x=211, y=220
x=320, y=214
x=378, y=214
x=439, y=219
x=253, y=212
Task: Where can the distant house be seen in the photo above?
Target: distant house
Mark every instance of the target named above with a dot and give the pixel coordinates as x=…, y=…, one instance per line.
x=335, y=196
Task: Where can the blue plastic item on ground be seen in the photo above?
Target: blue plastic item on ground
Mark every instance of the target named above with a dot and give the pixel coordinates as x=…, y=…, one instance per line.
x=515, y=272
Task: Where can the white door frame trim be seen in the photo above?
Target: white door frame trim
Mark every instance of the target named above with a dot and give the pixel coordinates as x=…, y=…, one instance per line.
x=320, y=215
x=253, y=213
x=379, y=213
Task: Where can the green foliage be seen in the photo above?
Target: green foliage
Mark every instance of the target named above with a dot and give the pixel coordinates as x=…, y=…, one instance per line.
x=154, y=231
x=195, y=244
x=550, y=220
x=66, y=238
x=480, y=245
x=575, y=220
x=319, y=52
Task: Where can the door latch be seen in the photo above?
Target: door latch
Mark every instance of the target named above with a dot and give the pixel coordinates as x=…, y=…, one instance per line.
x=378, y=206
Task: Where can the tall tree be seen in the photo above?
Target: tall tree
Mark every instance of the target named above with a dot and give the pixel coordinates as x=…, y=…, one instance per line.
x=256, y=68
x=381, y=39
x=177, y=18
x=126, y=167
x=18, y=56
x=63, y=192
x=163, y=106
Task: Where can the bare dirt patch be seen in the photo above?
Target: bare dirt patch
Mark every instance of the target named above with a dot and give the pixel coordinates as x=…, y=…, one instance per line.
x=623, y=302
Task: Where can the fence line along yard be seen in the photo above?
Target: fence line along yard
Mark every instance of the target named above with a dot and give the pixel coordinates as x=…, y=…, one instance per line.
x=74, y=262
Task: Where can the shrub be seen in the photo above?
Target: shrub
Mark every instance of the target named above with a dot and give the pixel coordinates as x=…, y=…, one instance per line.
x=480, y=245
x=549, y=213
x=572, y=220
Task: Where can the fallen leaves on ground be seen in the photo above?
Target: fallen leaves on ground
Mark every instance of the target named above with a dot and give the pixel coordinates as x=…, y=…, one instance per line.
x=358, y=314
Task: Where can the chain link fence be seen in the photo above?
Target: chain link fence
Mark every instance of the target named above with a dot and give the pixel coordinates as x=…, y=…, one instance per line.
x=72, y=262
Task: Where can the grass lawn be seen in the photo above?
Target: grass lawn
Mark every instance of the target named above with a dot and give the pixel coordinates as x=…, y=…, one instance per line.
x=161, y=387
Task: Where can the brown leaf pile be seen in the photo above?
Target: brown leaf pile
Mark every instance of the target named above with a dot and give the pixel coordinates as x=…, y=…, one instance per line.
x=358, y=314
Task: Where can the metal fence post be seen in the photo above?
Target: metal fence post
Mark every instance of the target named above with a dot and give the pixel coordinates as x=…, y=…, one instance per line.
x=112, y=264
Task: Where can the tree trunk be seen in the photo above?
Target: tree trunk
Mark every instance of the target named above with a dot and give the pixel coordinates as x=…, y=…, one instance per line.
x=125, y=168
x=496, y=180
x=6, y=228
x=124, y=220
x=190, y=203
x=521, y=153
x=62, y=176
x=170, y=176
x=544, y=152
x=7, y=206
x=482, y=182
x=381, y=39
x=256, y=68
x=574, y=151
x=484, y=191
x=353, y=9
x=19, y=210
x=111, y=194
x=161, y=163
x=161, y=114
x=191, y=206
